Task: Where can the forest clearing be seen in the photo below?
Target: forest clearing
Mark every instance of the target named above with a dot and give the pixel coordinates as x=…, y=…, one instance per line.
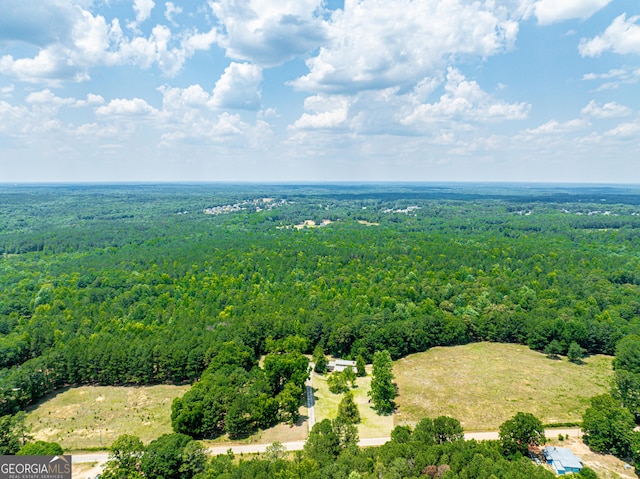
x=484, y=384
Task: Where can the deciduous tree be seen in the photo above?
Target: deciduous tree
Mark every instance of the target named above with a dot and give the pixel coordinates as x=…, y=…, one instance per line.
x=519, y=432
x=608, y=427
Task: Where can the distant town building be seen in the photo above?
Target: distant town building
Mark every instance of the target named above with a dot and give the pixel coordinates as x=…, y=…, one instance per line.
x=340, y=365
x=562, y=460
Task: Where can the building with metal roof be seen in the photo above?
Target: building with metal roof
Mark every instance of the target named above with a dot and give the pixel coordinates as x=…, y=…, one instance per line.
x=562, y=460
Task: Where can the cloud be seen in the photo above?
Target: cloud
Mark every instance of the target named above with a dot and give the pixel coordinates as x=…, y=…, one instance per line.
x=124, y=107
x=625, y=130
x=268, y=33
x=553, y=11
x=47, y=97
x=171, y=11
x=329, y=111
x=465, y=101
x=7, y=91
x=67, y=59
x=374, y=44
x=143, y=9
x=554, y=127
x=615, y=77
x=182, y=101
x=238, y=87
x=24, y=21
x=88, y=41
x=622, y=37
x=222, y=129
x=608, y=110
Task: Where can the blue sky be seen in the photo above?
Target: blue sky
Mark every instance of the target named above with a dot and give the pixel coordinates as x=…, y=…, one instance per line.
x=306, y=90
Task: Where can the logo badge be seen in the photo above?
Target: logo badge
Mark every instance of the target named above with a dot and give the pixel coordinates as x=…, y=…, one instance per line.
x=35, y=467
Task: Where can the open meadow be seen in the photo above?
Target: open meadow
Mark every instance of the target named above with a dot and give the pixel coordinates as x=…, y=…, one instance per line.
x=94, y=416
x=484, y=384
x=326, y=406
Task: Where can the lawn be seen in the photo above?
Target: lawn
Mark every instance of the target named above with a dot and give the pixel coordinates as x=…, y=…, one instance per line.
x=484, y=384
x=371, y=425
x=93, y=416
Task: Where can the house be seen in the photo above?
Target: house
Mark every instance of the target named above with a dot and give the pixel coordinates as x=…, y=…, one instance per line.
x=340, y=365
x=562, y=460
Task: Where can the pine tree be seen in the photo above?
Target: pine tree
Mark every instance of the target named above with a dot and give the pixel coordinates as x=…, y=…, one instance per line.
x=382, y=389
x=348, y=409
x=360, y=366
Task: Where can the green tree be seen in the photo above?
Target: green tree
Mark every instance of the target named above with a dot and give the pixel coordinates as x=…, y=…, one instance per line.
x=382, y=391
x=628, y=354
x=289, y=400
x=281, y=369
x=350, y=376
x=163, y=457
x=13, y=433
x=125, y=456
x=194, y=459
x=319, y=360
x=361, y=366
x=553, y=349
x=348, y=409
x=608, y=427
x=625, y=387
x=275, y=452
x=447, y=429
x=519, y=432
x=40, y=448
x=424, y=432
x=238, y=421
x=323, y=443
x=440, y=430
x=575, y=354
x=337, y=382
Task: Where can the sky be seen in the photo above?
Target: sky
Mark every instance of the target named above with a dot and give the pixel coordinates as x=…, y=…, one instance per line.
x=313, y=90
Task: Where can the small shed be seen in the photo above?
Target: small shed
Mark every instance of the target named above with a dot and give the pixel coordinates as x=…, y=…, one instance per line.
x=340, y=365
x=562, y=460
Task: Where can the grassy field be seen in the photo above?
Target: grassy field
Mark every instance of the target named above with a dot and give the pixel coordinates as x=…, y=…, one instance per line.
x=89, y=416
x=371, y=425
x=278, y=433
x=484, y=384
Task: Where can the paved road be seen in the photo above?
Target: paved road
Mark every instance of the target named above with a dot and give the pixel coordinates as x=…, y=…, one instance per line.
x=98, y=457
x=310, y=400
x=298, y=445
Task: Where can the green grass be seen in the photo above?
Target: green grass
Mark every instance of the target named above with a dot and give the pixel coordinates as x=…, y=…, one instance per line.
x=93, y=417
x=484, y=384
x=371, y=425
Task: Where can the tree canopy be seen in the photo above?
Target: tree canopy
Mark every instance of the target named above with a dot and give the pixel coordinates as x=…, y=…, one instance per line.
x=520, y=432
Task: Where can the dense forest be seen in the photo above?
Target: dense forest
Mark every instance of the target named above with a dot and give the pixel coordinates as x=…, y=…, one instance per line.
x=143, y=284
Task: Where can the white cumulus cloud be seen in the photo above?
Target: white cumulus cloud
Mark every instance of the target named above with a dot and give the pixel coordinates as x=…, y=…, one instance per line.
x=238, y=87
x=380, y=43
x=329, y=111
x=464, y=100
x=143, y=9
x=622, y=37
x=88, y=41
x=125, y=107
x=554, y=127
x=268, y=33
x=625, y=130
x=608, y=110
x=552, y=11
